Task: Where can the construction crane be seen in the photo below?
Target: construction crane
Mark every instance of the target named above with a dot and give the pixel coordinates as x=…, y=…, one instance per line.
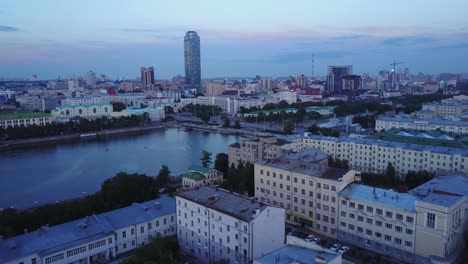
x=394, y=82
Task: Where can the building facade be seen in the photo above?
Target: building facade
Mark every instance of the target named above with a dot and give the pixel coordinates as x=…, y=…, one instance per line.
x=306, y=187
x=147, y=76
x=215, y=224
x=25, y=119
x=192, y=59
x=455, y=127
x=93, y=239
x=335, y=77
x=90, y=111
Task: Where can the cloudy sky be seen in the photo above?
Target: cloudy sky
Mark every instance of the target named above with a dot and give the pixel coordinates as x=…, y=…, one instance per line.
x=238, y=38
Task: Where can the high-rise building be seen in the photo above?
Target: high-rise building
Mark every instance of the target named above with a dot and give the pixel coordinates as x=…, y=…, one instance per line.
x=147, y=75
x=192, y=59
x=90, y=79
x=335, y=77
x=351, y=83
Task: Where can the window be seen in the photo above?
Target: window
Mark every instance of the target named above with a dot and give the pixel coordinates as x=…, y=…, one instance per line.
x=124, y=234
x=343, y=213
x=369, y=209
x=389, y=226
x=360, y=218
x=409, y=231
x=397, y=240
x=409, y=219
x=379, y=211
x=368, y=232
x=399, y=217
x=388, y=214
x=369, y=221
x=388, y=238
x=430, y=220
x=132, y=231
x=399, y=229
x=408, y=244
x=351, y=215
x=377, y=234
x=142, y=229
x=352, y=205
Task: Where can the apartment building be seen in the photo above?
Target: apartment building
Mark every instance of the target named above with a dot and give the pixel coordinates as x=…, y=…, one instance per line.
x=380, y=220
x=373, y=155
x=399, y=122
x=215, y=224
x=425, y=225
x=85, y=101
x=198, y=176
x=96, y=238
x=305, y=186
x=91, y=111
x=447, y=108
x=25, y=119
x=251, y=149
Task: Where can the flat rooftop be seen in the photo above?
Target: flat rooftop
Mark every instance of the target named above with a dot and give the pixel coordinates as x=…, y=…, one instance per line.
x=23, y=115
x=388, y=198
x=442, y=190
x=233, y=204
x=293, y=254
x=48, y=240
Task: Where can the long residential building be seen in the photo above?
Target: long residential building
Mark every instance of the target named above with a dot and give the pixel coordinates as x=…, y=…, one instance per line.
x=91, y=111
x=93, y=239
x=305, y=186
x=25, y=119
x=215, y=224
x=398, y=122
x=373, y=155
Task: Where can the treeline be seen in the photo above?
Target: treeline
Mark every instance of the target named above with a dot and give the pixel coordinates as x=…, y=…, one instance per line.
x=159, y=250
x=352, y=108
x=204, y=112
x=338, y=163
x=119, y=191
x=280, y=105
x=240, y=179
x=72, y=127
x=366, y=121
x=410, y=180
x=324, y=131
x=298, y=116
x=414, y=103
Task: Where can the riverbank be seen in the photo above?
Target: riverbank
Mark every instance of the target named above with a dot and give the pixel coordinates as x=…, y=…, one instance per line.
x=12, y=144
x=223, y=130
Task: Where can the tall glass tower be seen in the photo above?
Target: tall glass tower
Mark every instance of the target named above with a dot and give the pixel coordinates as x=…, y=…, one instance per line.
x=192, y=59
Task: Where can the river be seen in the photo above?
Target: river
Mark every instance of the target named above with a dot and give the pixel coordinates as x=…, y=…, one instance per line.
x=55, y=172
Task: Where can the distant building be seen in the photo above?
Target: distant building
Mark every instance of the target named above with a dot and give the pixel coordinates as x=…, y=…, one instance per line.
x=29, y=102
x=214, y=224
x=399, y=122
x=198, y=176
x=25, y=119
x=95, y=238
x=85, y=101
x=335, y=77
x=147, y=76
x=192, y=60
x=90, y=79
x=351, y=83
x=73, y=84
x=256, y=149
x=90, y=111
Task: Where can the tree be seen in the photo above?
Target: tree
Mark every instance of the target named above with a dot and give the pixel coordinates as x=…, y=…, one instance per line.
x=163, y=177
x=118, y=106
x=390, y=173
x=237, y=125
x=222, y=163
x=206, y=158
x=168, y=109
x=227, y=122
x=159, y=250
x=288, y=128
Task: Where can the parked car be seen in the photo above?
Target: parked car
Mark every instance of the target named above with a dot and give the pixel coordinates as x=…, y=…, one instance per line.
x=310, y=238
x=343, y=249
x=335, y=247
x=316, y=240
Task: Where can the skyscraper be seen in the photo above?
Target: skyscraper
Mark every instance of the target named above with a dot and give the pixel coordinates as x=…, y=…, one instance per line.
x=335, y=77
x=147, y=75
x=192, y=59
x=90, y=79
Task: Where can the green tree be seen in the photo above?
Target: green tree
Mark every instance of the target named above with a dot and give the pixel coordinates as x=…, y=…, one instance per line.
x=288, y=128
x=237, y=124
x=118, y=106
x=390, y=173
x=159, y=250
x=168, y=109
x=206, y=158
x=222, y=163
x=227, y=122
x=164, y=176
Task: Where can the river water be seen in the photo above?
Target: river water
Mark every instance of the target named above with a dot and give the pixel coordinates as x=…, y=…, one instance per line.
x=61, y=171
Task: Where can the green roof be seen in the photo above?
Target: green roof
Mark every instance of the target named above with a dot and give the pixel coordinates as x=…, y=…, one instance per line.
x=194, y=176
x=459, y=141
x=23, y=115
x=200, y=169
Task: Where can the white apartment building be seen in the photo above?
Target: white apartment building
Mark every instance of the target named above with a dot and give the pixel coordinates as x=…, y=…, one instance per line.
x=84, y=101
x=398, y=122
x=251, y=149
x=198, y=176
x=426, y=225
x=84, y=111
x=215, y=224
x=129, y=99
x=456, y=106
x=25, y=119
x=306, y=187
x=94, y=238
x=371, y=155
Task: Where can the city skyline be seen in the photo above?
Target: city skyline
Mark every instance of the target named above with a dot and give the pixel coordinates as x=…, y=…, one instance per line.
x=241, y=39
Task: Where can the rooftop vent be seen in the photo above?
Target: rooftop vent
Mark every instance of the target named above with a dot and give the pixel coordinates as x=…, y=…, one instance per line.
x=157, y=205
x=82, y=225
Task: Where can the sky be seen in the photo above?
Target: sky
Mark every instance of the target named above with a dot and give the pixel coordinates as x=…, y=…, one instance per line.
x=64, y=38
